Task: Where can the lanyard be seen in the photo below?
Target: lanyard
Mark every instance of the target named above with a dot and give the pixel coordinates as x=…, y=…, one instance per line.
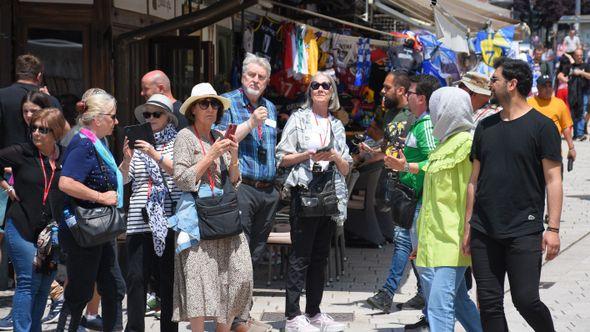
x=251, y=110
x=322, y=139
x=46, y=185
x=211, y=182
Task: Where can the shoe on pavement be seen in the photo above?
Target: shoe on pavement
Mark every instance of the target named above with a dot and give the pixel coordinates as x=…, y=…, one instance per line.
x=382, y=301
x=54, y=311
x=6, y=323
x=419, y=324
x=92, y=322
x=415, y=303
x=152, y=304
x=300, y=324
x=326, y=323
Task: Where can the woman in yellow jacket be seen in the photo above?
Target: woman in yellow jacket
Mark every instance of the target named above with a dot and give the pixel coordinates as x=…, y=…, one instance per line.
x=441, y=264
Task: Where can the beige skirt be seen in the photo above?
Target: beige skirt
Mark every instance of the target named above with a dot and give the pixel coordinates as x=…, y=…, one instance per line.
x=213, y=279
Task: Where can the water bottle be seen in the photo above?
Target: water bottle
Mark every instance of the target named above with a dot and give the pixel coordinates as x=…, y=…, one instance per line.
x=54, y=238
x=69, y=218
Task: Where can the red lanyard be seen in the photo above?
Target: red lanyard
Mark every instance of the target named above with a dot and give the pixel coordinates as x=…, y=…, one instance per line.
x=322, y=139
x=211, y=182
x=46, y=185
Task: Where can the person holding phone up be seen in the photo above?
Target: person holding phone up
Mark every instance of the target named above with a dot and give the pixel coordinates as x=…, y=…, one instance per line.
x=153, y=195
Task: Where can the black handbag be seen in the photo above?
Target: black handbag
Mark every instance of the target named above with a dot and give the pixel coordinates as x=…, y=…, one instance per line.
x=319, y=199
x=403, y=205
x=219, y=216
x=99, y=225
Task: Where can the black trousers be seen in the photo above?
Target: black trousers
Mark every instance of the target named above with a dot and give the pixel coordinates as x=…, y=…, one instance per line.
x=141, y=257
x=87, y=266
x=311, y=239
x=258, y=208
x=520, y=258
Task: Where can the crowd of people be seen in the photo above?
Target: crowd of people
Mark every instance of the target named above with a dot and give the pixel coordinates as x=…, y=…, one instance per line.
x=204, y=195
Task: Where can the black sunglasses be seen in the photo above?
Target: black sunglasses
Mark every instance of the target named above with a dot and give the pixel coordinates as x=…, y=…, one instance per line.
x=205, y=103
x=324, y=85
x=42, y=130
x=156, y=115
x=112, y=116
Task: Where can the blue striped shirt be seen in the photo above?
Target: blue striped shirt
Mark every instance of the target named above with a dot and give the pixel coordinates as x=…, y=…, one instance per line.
x=250, y=166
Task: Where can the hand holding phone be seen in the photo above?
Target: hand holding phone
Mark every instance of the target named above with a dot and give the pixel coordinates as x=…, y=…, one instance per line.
x=570, y=164
x=231, y=130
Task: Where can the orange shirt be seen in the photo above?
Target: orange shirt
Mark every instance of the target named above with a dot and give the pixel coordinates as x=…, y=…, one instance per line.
x=555, y=109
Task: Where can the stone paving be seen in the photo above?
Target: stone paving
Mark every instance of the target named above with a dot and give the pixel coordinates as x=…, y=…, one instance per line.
x=565, y=281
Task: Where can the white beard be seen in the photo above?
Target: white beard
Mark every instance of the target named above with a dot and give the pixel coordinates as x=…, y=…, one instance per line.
x=253, y=92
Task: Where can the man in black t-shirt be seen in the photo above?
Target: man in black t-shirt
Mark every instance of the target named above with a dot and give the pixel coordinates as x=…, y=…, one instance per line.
x=516, y=158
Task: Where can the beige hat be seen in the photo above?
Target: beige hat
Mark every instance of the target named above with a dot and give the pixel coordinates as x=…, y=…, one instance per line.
x=476, y=82
x=160, y=101
x=203, y=91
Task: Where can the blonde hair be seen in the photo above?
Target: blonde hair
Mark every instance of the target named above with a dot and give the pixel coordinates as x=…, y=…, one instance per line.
x=97, y=105
x=55, y=121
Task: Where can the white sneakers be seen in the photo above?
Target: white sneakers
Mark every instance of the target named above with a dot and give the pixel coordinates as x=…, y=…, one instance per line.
x=320, y=322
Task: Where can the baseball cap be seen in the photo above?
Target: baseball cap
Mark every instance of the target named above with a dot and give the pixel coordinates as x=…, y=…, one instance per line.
x=543, y=79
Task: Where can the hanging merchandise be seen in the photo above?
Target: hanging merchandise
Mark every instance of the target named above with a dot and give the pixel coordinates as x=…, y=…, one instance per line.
x=344, y=50
x=363, y=64
x=492, y=45
x=406, y=57
x=312, y=50
x=288, y=35
x=248, y=40
x=300, y=66
x=266, y=42
x=439, y=61
x=286, y=86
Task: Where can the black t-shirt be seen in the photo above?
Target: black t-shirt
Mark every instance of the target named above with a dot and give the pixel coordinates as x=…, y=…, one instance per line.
x=12, y=125
x=182, y=121
x=510, y=195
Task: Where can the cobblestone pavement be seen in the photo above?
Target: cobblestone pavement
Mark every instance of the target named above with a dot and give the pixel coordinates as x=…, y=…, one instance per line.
x=564, y=289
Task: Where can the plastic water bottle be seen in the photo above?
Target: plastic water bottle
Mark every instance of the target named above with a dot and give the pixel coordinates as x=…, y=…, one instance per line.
x=54, y=238
x=69, y=218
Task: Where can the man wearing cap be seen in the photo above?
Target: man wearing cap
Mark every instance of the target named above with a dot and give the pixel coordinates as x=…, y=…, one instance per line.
x=478, y=87
x=150, y=246
x=556, y=110
x=256, y=118
x=156, y=81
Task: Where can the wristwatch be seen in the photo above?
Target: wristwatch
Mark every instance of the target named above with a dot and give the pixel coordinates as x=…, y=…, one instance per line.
x=552, y=229
x=406, y=167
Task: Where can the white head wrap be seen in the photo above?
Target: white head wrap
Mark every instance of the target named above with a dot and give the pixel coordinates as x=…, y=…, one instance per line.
x=451, y=112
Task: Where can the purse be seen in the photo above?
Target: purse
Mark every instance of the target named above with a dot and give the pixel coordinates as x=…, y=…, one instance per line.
x=99, y=225
x=319, y=199
x=403, y=205
x=219, y=216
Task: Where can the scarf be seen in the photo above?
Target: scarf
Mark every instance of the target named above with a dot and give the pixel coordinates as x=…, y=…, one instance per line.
x=155, y=203
x=451, y=112
x=108, y=159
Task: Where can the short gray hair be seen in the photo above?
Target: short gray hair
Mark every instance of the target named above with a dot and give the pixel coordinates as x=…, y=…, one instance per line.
x=261, y=61
x=334, y=104
x=96, y=105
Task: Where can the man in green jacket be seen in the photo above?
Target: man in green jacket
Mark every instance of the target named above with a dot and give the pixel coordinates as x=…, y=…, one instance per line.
x=419, y=143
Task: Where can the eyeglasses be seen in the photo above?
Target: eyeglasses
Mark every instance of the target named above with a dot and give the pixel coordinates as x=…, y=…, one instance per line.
x=494, y=79
x=112, y=116
x=409, y=92
x=42, y=130
x=205, y=103
x=324, y=85
x=156, y=115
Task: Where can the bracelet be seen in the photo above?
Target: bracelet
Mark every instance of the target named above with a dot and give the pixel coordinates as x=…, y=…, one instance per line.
x=233, y=164
x=406, y=167
x=161, y=158
x=9, y=189
x=552, y=229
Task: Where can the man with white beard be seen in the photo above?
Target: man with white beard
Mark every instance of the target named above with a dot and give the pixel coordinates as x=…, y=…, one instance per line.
x=256, y=133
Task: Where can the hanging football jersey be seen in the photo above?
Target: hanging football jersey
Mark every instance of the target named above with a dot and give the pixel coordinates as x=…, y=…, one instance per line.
x=300, y=63
x=248, y=40
x=266, y=41
x=312, y=51
x=344, y=50
x=363, y=66
x=287, y=31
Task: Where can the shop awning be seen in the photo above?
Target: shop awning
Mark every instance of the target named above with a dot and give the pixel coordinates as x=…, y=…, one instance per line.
x=473, y=14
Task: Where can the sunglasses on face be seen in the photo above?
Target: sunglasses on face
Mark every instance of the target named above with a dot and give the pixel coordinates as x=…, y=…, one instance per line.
x=324, y=85
x=42, y=130
x=205, y=103
x=112, y=116
x=156, y=115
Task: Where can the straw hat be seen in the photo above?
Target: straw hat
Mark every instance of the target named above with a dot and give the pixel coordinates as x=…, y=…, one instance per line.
x=203, y=91
x=476, y=82
x=160, y=101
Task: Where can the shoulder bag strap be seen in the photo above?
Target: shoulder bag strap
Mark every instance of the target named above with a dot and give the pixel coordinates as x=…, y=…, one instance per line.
x=103, y=169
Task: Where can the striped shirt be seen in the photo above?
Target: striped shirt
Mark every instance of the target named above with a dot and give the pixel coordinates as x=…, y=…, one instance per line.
x=138, y=176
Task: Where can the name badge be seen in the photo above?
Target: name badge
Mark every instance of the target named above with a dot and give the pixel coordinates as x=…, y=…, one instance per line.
x=271, y=123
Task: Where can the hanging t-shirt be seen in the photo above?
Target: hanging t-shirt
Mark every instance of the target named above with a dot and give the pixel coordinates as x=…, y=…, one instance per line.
x=287, y=86
x=300, y=65
x=311, y=47
x=405, y=59
x=248, y=40
x=288, y=36
x=510, y=196
x=266, y=41
x=344, y=50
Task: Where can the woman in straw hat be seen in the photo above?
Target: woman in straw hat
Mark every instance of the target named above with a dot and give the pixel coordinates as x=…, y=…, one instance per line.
x=213, y=278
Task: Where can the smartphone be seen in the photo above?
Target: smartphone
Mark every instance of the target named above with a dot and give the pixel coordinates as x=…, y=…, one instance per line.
x=140, y=132
x=231, y=130
x=570, y=164
x=325, y=149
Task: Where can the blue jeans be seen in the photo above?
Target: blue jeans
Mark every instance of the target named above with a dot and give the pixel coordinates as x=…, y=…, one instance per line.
x=32, y=288
x=402, y=247
x=579, y=123
x=446, y=297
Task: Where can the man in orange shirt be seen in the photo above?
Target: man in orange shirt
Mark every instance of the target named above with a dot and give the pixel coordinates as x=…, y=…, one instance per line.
x=555, y=109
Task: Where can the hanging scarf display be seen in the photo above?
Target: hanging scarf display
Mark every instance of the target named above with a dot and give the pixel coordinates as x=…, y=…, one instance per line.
x=157, y=191
x=363, y=64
